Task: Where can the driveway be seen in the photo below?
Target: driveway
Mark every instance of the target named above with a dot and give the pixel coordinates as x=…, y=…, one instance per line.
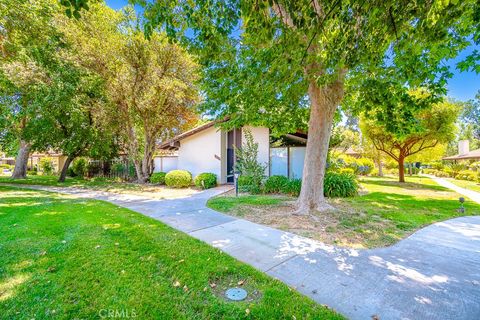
x=433, y=274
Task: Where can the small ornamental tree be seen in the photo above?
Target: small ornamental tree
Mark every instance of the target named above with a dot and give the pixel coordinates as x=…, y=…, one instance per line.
x=283, y=63
x=434, y=125
x=247, y=159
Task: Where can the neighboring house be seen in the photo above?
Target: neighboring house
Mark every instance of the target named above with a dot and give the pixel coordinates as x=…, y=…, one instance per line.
x=58, y=160
x=210, y=149
x=6, y=160
x=464, y=152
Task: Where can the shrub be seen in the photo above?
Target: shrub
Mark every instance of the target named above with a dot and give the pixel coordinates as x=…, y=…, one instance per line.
x=250, y=184
x=340, y=185
x=364, y=166
x=475, y=166
x=70, y=172
x=247, y=163
x=347, y=170
x=157, y=177
x=292, y=187
x=46, y=165
x=206, y=180
x=79, y=167
x=31, y=172
x=441, y=174
x=6, y=166
x=467, y=175
x=178, y=179
x=275, y=184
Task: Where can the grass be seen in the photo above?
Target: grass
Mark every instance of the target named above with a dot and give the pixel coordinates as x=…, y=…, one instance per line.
x=66, y=258
x=386, y=212
x=103, y=184
x=470, y=185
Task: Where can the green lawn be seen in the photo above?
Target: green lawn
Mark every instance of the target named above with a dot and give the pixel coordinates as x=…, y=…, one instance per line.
x=475, y=186
x=96, y=183
x=385, y=212
x=66, y=258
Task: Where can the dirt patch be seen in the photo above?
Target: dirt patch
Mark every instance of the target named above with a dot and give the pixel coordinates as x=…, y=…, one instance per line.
x=344, y=226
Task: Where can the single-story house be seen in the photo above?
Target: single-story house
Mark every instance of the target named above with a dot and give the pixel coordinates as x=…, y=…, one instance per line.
x=208, y=148
x=464, y=152
x=57, y=159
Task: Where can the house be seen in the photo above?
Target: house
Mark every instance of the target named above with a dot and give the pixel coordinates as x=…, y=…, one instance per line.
x=57, y=160
x=208, y=148
x=464, y=152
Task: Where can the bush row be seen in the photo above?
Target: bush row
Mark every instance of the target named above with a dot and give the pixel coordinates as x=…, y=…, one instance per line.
x=360, y=166
x=336, y=184
x=183, y=179
x=451, y=173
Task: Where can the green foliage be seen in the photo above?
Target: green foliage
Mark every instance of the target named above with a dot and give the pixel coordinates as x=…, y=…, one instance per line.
x=32, y=173
x=80, y=167
x=249, y=184
x=292, y=187
x=247, y=163
x=46, y=165
x=340, y=185
x=467, y=175
x=178, y=179
x=275, y=184
x=206, y=180
x=347, y=171
x=158, y=178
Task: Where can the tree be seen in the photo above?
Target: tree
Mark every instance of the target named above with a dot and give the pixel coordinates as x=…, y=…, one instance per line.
x=151, y=83
x=264, y=60
x=435, y=125
x=28, y=50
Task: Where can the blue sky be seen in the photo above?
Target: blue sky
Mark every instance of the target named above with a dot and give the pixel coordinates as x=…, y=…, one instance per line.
x=462, y=86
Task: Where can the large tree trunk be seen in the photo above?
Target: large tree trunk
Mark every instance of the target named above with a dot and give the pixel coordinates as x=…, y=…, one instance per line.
x=380, y=167
x=21, y=161
x=63, y=173
x=324, y=102
x=401, y=168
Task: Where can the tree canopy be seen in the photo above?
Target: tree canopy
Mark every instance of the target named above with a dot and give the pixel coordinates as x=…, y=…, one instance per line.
x=284, y=63
x=434, y=125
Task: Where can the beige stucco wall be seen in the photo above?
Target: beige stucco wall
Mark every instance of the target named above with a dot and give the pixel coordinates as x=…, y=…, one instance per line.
x=199, y=153
x=261, y=135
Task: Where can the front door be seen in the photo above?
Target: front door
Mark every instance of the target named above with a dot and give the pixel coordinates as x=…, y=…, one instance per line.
x=234, y=138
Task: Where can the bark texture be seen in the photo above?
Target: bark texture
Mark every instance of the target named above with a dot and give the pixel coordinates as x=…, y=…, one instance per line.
x=21, y=161
x=63, y=173
x=401, y=168
x=324, y=101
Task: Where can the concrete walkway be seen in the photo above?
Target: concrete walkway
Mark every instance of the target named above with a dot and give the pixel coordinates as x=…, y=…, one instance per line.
x=433, y=274
x=473, y=195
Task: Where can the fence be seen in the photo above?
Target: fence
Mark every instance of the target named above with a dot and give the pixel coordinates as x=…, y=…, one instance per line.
x=122, y=169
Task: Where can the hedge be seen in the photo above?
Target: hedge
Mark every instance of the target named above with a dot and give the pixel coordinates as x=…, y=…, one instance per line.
x=178, y=179
x=206, y=180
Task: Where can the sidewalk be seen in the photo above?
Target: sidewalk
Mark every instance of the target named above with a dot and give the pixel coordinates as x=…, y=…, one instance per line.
x=433, y=274
x=473, y=195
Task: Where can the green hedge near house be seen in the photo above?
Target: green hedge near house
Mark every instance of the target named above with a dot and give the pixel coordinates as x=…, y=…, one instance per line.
x=178, y=179
x=158, y=177
x=336, y=184
x=206, y=180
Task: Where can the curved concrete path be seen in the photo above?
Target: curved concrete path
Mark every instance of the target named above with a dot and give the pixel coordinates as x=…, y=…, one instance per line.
x=433, y=274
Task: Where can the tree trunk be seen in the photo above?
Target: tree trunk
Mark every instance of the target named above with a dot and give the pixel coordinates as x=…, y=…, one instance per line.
x=63, y=173
x=401, y=168
x=324, y=102
x=139, y=171
x=21, y=161
x=380, y=168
